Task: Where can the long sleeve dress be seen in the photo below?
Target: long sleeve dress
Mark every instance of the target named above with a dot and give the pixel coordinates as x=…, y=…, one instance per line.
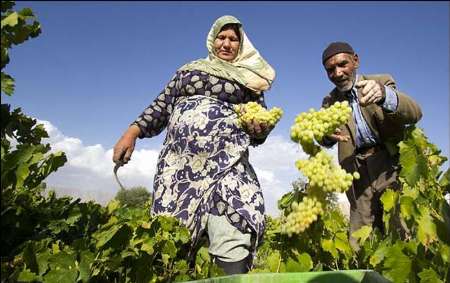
x=203, y=166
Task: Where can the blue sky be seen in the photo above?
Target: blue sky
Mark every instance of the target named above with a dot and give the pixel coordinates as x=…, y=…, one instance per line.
x=97, y=65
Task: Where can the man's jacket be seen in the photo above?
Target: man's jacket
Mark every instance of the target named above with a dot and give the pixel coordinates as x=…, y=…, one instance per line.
x=388, y=127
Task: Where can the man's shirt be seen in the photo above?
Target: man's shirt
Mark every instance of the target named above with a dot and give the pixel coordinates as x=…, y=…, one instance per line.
x=364, y=135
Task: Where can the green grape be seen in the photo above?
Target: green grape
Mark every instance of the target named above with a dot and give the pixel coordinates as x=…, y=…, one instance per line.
x=314, y=125
x=323, y=174
x=302, y=215
x=356, y=175
x=254, y=111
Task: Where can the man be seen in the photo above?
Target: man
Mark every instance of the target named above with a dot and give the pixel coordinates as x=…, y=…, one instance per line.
x=367, y=143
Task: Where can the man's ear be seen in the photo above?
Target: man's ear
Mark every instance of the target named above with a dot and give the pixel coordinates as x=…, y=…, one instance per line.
x=356, y=60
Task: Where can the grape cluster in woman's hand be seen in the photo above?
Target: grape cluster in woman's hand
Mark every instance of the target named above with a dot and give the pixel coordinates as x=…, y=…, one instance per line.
x=254, y=112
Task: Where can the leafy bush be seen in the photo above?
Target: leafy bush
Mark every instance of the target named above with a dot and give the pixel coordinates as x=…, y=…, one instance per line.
x=133, y=197
x=423, y=255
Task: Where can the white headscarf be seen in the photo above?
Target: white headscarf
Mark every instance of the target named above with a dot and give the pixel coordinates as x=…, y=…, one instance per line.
x=248, y=68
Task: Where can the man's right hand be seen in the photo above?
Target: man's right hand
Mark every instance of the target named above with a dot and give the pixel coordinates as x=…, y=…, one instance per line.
x=125, y=146
x=338, y=136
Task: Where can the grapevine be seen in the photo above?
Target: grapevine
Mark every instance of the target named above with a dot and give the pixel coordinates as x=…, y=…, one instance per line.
x=324, y=175
x=302, y=215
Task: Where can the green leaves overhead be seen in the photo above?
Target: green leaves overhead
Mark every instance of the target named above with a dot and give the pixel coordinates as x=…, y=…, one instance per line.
x=7, y=84
x=16, y=27
x=29, y=165
x=10, y=20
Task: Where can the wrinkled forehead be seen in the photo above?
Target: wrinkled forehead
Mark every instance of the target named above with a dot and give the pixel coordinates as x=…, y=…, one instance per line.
x=338, y=59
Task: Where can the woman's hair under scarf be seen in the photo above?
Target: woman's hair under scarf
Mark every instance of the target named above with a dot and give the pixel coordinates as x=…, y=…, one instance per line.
x=248, y=68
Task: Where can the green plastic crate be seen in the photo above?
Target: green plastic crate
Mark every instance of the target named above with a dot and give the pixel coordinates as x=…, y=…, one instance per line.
x=344, y=276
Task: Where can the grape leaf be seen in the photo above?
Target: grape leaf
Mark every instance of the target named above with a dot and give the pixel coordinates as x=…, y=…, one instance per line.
x=62, y=260
x=273, y=261
x=61, y=276
x=42, y=261
x=378, y=256
x=170, y=249
x=389, y=199
x=413, y=162
x=426, y=232
x=11, y=20
x=428, y=275
x=301, y=263
x=28, y=276
x=328, y=246
x=86, y=258
x=397, y=266
x=444, y=250
x=362, y=234
x=7, y=84
x=445, y=181
x=406, y=207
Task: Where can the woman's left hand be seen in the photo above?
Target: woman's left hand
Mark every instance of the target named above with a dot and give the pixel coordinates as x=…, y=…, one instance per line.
x=257, y=129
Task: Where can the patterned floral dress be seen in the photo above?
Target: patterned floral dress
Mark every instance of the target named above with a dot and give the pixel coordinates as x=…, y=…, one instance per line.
x=203, y=166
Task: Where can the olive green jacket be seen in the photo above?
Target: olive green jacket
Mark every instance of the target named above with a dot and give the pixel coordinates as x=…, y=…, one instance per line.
x=388, y=127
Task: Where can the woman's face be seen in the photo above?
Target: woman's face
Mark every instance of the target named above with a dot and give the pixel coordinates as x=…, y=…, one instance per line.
x=226, y=44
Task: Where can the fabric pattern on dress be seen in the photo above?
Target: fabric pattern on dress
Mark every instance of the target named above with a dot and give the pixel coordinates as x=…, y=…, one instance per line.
x=203, y=166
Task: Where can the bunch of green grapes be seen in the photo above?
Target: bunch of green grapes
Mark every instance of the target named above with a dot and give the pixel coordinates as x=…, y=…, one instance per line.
x=254, y=111
x=317, y=124
x=302, y=215
x=324, y=174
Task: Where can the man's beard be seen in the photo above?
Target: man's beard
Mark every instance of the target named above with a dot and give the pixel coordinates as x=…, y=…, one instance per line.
x=349, y=85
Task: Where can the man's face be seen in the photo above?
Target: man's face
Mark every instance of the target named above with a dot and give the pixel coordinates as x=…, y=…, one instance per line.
x=341, y=70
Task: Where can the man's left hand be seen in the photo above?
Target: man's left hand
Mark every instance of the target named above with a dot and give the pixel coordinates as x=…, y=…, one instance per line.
x=372, y=92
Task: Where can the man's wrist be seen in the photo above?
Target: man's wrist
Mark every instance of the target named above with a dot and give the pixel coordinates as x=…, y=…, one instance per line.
x=390, y=102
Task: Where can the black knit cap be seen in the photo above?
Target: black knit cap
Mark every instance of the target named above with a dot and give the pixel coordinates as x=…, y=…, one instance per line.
x=335, y=48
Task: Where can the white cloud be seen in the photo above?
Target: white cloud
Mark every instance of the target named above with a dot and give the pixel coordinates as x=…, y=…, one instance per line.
x=88, y=173
x=274, y=164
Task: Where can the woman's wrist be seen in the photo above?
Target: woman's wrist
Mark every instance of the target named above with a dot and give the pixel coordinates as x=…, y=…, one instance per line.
x=133, y=131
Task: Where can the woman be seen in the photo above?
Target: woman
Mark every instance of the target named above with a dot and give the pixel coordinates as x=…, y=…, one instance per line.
x=203, y=175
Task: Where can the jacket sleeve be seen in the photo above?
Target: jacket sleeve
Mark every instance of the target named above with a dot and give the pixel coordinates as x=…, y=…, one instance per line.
x=408, y=111
x=155, y=117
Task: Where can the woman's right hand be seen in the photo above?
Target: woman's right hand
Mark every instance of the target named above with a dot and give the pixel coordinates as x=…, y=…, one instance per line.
x=125, y=146
x=257, y=129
